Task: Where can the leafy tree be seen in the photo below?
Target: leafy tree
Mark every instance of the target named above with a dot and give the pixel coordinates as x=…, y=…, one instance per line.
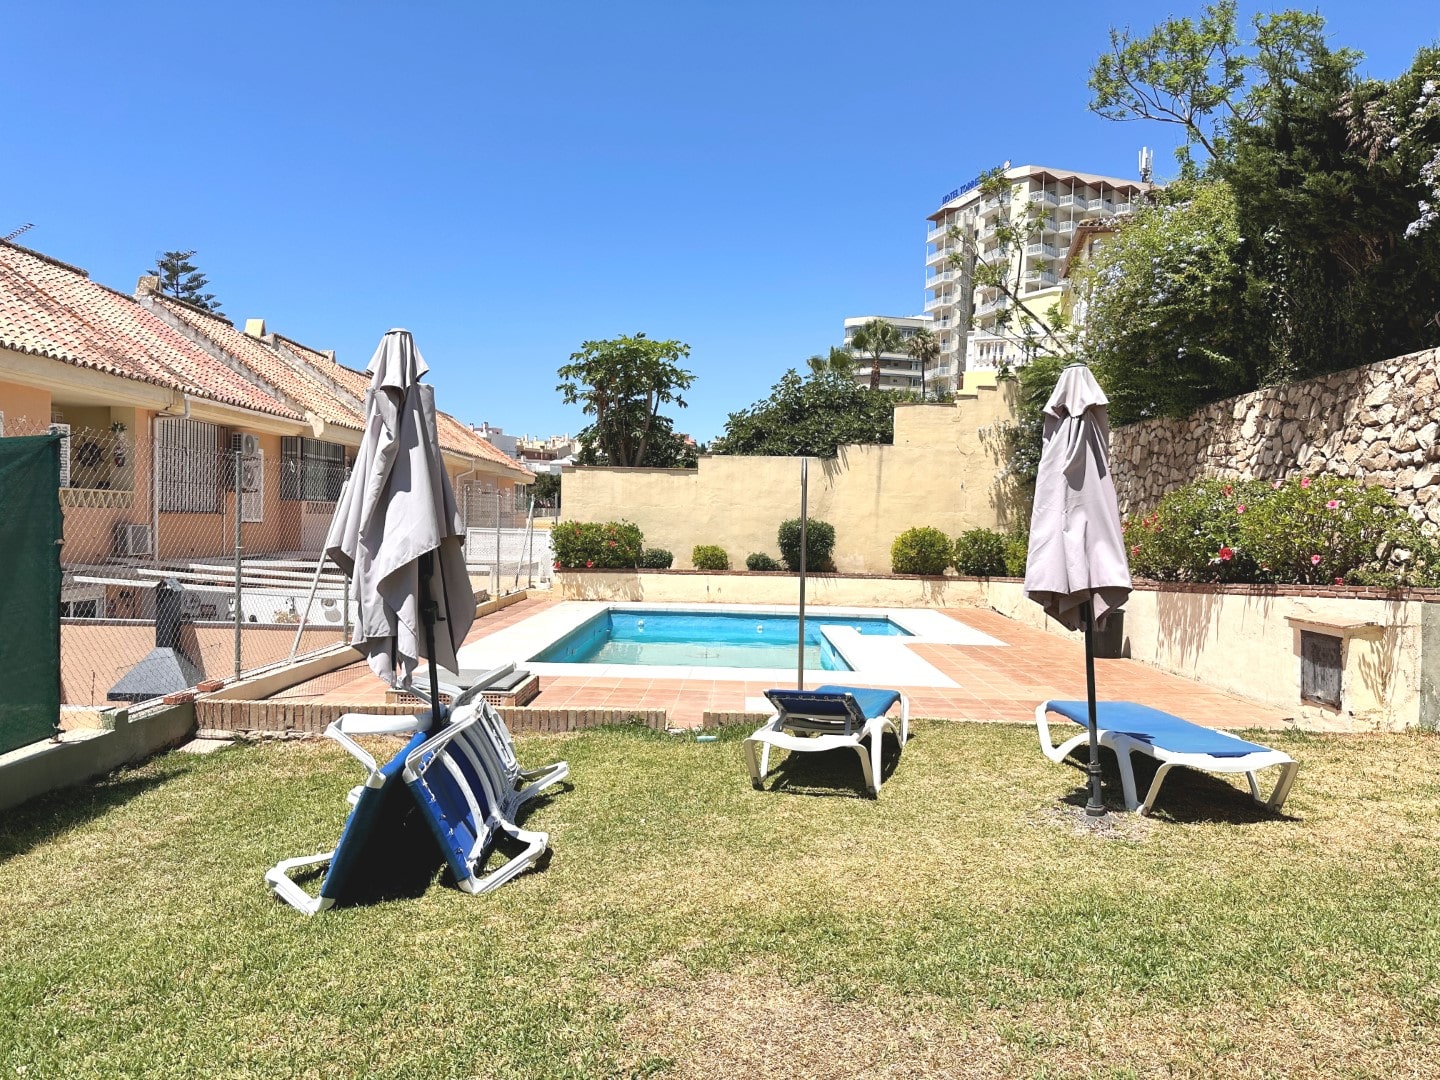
x=1161, y=332
x=876, y=337
x=1202, y=76
x=813, y=416
x=546, y=489
x=838, y=359
x=923, y=347
x=180, y=278
x=622, y=383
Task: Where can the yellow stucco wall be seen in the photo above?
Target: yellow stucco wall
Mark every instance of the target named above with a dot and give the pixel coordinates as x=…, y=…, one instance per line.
x=24, y=407
x=941, y=471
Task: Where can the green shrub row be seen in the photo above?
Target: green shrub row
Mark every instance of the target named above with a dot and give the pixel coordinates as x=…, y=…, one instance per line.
x=1301, y=530
x=709, y=557
x=656, y=559
x=975, y=553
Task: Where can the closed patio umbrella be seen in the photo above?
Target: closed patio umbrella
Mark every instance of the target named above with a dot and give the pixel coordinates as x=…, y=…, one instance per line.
x=397, y=531
x=1076, y=568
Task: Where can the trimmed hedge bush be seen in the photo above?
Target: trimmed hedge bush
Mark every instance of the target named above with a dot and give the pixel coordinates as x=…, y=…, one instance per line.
x=1017, y=550
x=1301, y=530
x=819, y=545
x=598, y=545
x=921, y=550
x=656, y=559
x=758, y=560
x=710, y=557
x=981, y=553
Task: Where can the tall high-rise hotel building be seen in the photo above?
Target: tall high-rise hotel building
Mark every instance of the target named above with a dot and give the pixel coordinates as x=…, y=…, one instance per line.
x=1063, y=200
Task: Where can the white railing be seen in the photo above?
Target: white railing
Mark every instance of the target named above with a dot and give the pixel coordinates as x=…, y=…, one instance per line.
x=1049, y=250
x=1045, y=198
x=935, y=234
x=1065, y=227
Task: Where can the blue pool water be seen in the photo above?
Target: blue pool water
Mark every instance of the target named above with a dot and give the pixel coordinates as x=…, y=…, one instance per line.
x=708, y=639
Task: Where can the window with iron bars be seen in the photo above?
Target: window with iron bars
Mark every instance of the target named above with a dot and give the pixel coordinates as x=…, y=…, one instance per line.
x=311, y=470
x=187, y=466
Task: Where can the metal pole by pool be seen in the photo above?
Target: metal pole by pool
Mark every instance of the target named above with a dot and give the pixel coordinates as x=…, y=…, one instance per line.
x=1095, y=807
x=804, y=492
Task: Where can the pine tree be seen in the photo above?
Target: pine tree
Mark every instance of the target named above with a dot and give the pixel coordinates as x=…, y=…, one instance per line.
x=180, y=278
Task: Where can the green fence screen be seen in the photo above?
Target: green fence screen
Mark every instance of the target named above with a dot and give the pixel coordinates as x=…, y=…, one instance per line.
x=30, y=534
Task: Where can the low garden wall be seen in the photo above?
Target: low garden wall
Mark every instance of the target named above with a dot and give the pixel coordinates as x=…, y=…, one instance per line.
x=1243, y=639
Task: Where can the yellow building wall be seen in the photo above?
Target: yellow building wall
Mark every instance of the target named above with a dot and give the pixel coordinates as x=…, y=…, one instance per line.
x=942, y=470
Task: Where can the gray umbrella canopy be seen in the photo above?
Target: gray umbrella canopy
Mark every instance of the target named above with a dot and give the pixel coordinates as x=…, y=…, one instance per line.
x=1077, y=550
x=398, y=507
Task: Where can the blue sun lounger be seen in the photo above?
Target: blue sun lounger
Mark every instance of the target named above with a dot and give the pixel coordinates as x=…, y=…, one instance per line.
x=1128, y=728
x=827, y=718
x=451, y=788
x=382, y=820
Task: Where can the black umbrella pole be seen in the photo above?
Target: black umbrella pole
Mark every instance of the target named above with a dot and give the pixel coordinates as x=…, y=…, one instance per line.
x=1096, y=806
x=428, y=612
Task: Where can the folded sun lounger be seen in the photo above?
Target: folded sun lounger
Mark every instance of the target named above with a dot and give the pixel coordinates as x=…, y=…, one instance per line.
x=827, y=718
x=1128, y=728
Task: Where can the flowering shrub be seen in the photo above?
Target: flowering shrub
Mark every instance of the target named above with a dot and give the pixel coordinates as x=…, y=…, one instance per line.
x=921, y=551
x=980, y=553
x=1304, y=530
x=1195, y=534
x=596, y=545
x=656, y=559
x=710, y=557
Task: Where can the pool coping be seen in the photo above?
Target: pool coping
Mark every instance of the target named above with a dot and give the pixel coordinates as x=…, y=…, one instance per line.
x=876, y=660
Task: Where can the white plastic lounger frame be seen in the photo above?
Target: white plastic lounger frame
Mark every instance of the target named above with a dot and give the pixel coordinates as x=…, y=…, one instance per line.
x=1124, y=745
x=485, y=816
x=826, y=728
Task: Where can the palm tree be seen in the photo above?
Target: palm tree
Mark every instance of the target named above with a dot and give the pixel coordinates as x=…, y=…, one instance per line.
x=922, y=346
x=876, y=337
x=839, y=360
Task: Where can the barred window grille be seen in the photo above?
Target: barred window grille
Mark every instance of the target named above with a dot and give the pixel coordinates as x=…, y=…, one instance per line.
x=311, y=470
x=186, y=463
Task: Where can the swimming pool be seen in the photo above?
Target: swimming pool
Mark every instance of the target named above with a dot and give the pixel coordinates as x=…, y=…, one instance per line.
x=651, y=637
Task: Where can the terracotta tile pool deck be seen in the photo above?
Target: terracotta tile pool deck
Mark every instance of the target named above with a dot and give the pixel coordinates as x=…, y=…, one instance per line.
x=995, y=684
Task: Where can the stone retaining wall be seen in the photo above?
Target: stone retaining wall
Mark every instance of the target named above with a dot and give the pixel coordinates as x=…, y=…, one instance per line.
x=1376, y=423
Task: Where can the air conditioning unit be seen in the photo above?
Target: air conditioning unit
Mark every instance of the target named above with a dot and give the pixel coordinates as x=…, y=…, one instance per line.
x=132, y=539
x=247, y=444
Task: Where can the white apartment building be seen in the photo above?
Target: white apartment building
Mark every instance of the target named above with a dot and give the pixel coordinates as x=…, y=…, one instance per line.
x=898, y=370
x=1064, y=199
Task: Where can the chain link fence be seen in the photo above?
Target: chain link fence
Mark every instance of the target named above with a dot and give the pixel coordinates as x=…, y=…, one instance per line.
x=194, y=553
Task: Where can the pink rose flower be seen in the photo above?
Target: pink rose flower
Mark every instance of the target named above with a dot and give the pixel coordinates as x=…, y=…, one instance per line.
x=1240, y=509
x=1305, y=481
x=1226, y=554
x=1314, y=560
x=1333, y=504
x=591, y=562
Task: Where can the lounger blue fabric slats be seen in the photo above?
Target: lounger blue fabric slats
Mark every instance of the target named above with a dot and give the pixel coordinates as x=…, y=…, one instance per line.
x=1158, y=728
x=1127, y=728
x=827, y=718
x=457, y=783
x=380, y=829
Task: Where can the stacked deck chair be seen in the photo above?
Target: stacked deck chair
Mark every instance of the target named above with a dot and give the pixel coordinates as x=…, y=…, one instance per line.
x=827, y=718
x=458, y=789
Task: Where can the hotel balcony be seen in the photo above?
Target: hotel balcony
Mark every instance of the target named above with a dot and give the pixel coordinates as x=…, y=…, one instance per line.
x=1048, y=251
x=937, y=233
x=1044, y=198
x=944, y=277
x=940, y=302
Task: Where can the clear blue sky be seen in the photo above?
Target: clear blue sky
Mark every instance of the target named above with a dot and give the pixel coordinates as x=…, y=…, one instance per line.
x=509, y=180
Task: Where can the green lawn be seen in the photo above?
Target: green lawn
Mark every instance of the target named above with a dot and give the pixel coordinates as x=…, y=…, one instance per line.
x=962, y=925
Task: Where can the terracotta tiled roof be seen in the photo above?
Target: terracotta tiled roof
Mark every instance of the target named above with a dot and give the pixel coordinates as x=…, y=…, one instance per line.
x=50, y=309
x=292, y=380
x=454, y=435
